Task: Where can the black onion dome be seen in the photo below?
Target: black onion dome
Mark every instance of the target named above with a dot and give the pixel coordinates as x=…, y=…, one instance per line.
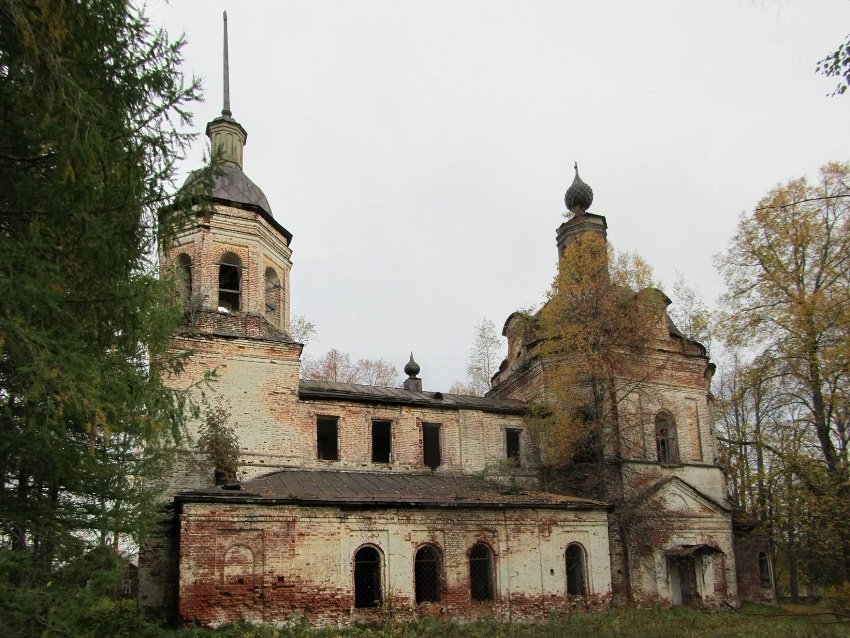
x=233, y=186
x=579, y=196
x=411, y=368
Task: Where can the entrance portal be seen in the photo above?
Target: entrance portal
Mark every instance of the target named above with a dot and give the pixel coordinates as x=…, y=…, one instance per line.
x=683, y=564
x=683, y=582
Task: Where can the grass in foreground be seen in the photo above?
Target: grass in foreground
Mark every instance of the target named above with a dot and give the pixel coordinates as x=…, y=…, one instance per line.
x=752, y=621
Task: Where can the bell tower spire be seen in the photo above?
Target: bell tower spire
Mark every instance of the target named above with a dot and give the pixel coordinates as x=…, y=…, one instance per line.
x=226, y=107
x=226, y=135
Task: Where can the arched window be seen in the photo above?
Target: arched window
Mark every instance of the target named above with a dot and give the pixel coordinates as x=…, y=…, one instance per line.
x=184, y=278
x=576, y=571
x=665, y=438
x=764, y=570
x=481, y=572
x=272, y=295
x=427, y=574
x=229, y=282
x=367, y=578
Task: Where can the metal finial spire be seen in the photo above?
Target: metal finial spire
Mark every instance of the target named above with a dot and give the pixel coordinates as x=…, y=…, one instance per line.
x=226, y=109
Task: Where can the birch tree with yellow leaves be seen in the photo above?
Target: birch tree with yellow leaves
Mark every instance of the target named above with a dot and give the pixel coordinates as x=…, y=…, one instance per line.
x=788, y=278
x=599, y=318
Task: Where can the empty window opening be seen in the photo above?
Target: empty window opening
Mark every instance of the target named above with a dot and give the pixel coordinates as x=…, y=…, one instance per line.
x=587, y=447
x=512, y=449
x=431, y=445
x=481, y=572
x=184, y=278
x=427, y=575
x=381, y=441
x=229, y=282
x=326, y=438
x=575, y=570
x=272, y=295
x=665, y=438
x=367, y=578
x=764, y=570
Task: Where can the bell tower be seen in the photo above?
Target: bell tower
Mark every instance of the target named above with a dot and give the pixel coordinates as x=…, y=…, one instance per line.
x=234, y=261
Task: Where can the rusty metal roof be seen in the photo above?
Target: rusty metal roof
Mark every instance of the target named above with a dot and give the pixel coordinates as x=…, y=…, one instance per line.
x=232, y=187
x=335, y=391
x=382, y=489
x=231, y=184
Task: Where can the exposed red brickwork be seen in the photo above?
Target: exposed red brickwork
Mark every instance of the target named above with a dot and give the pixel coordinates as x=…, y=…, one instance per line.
x=257, y=244
x=748, y=546
x=269, y=563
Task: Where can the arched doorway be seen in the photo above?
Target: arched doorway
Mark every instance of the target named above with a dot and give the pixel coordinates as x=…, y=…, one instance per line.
x=576, y=570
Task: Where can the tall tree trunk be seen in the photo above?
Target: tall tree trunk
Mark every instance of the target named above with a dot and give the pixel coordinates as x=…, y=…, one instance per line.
x=793, y=577
x=619, y=487
x=836, y=471
x=761, y=496
x=791, y=522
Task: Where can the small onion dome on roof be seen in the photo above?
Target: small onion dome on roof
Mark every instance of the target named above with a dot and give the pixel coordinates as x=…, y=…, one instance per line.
x=411, y=368
x=231, y=185
x=579, y=196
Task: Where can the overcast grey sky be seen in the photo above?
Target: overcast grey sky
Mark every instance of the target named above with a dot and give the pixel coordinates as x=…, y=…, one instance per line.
x=419, y=151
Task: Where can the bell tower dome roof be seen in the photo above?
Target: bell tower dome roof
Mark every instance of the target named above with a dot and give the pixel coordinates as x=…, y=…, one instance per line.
x=579, y=196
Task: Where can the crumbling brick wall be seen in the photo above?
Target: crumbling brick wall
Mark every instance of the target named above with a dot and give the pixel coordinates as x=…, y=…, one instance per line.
x=267, y=563
x=254, y=240
x=276, y=429
x=753, y=584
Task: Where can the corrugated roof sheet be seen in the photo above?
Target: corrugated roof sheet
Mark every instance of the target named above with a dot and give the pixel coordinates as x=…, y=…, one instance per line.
x=387, y=489
x=333, y=390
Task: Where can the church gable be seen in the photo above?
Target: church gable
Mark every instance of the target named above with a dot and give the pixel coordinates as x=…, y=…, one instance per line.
x=677, y=496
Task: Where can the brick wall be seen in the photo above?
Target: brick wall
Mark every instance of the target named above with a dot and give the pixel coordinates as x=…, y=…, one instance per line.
x=258, y=246
x=269, y=563
x=748, y=546
x=276, y=429
x=470, y=440
x=674, y=377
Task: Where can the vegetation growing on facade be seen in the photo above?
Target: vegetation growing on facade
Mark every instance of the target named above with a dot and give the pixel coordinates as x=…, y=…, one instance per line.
x=600, y=317
x=218, y=443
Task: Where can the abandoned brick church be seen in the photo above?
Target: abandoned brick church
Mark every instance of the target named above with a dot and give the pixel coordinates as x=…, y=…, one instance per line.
x=356, y=499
